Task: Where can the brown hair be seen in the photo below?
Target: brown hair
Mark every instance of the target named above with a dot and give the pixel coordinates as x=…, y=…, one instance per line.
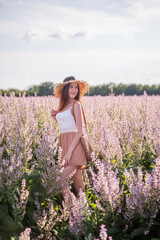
x=63, y=101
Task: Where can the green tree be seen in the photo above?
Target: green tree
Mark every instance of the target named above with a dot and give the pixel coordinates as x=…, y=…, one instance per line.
x=31, y=91
x=120, y=88
x=154, y=89
x=131, y=89
x=147, y=88
x=15, y=90
x=158, y=89
x=46, y=88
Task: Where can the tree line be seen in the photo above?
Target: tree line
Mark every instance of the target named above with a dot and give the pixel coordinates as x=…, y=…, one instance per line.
x=46, y=89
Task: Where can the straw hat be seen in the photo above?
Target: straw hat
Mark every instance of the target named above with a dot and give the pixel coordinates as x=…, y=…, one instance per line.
x=83, y=86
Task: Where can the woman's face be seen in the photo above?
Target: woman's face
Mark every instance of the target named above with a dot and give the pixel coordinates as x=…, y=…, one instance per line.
x=73, y=90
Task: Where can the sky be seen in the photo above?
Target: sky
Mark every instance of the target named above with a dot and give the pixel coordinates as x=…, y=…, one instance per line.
x=99, y=41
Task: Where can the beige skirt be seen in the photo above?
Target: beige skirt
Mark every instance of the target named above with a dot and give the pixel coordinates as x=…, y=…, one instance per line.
x=78, y=157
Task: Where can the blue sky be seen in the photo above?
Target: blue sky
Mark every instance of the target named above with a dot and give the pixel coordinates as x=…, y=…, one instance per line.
x=99, y=41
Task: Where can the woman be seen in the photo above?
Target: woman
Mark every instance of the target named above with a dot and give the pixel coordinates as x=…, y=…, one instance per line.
x=69, y=93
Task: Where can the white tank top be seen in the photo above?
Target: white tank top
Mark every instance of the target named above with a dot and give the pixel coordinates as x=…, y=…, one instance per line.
x=66, y=121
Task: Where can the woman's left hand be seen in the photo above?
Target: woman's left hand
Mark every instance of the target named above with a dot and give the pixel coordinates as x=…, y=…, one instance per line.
x=67, y=158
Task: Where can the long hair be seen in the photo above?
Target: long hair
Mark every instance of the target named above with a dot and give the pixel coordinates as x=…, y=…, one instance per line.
x=63, y=101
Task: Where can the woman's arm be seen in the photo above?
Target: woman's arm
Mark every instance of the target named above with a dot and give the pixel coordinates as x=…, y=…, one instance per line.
x=78, y=120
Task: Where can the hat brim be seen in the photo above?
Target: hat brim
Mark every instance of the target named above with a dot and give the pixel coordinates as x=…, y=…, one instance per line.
x=83, y=87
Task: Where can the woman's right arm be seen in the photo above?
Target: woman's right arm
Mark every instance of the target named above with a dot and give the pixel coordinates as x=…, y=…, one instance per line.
x=53, y=114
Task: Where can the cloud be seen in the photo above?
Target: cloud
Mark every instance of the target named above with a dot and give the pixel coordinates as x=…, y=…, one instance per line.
x=59, y=33
x=145, y=11
x=42, y=16
x=46, y=20
x=85, y=25
x=79, y=34
x=32, y=34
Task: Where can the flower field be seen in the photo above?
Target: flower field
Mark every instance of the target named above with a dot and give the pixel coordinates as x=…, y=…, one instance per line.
x=122, y=182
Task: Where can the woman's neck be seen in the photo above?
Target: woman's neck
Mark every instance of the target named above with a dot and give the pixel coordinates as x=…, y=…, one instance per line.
x=72, y=100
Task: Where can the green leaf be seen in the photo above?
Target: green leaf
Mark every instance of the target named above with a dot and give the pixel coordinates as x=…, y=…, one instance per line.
x=112, y=231
x=31, y=199
x=10, y=199
x=9, y=223
x=156, y=223
x=20, y=225
x=123, y=222
x=38, y=188
x=155, y=238
x=3, y=211
x=151, y=166
x=30, y=216
x=137, y=232
x=56, y=207
x=93, y=205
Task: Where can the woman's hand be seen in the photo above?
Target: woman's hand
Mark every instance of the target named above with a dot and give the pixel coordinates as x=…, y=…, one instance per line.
x=53, y=113
x=67, y=158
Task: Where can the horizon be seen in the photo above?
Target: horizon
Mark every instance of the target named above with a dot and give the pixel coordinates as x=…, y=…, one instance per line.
x=116, y=85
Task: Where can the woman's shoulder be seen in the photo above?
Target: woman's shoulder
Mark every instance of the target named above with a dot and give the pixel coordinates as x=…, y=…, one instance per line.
x=77, y=103
x=77, y=107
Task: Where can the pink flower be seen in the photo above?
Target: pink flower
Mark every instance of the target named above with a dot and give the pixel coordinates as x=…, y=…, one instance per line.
x=103, y=232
